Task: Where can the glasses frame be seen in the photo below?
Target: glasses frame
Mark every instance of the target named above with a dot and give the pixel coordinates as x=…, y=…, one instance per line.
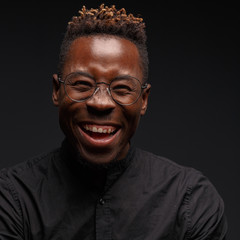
x=143, y=86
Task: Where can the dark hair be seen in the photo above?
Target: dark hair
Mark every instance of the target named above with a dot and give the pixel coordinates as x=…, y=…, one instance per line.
x=110, y=21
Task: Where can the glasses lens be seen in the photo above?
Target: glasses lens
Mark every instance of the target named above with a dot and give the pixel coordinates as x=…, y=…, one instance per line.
x=125, y=91
x=79, y=87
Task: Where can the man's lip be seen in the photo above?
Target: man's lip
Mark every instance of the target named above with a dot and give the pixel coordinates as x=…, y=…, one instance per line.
x=104, y=125
x=99, y=135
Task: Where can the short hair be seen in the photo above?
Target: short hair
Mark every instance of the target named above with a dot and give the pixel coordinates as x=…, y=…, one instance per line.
x=109, y=21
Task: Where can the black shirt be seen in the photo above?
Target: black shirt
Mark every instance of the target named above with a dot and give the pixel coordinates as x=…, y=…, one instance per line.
x=145, y=197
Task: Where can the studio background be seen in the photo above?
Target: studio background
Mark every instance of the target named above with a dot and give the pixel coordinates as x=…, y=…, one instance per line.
x=193, y=114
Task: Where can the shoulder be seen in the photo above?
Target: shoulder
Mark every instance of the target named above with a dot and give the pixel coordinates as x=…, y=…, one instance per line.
x=164, y=168
x=27, y=175
x=30, y=166
x=19, y=189
x=200, y=207
x=12, y=183
x=157, y=172
x=155, y=159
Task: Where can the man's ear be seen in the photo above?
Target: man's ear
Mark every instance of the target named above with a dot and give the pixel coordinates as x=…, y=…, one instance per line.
x=145, y=96
x=56, y=90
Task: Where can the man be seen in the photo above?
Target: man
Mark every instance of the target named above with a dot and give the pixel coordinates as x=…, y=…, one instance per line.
x=97, y=185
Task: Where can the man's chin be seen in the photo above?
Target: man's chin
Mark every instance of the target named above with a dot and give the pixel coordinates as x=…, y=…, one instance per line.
x=99, y=161
x=103, y=158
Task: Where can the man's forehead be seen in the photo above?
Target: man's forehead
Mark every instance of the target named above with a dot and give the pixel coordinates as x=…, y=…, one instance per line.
x=106, y=45
x=104, y=52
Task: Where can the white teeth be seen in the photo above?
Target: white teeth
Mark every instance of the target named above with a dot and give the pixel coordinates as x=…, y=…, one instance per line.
x=94, y=129
x=98, y=130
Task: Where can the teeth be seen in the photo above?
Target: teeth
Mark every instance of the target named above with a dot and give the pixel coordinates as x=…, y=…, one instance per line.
x=98, y=130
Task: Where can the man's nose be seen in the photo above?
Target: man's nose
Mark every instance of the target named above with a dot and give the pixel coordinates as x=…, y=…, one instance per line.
x=101, y=100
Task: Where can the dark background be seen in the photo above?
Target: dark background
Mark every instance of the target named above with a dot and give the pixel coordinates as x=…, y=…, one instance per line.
x=193, y=114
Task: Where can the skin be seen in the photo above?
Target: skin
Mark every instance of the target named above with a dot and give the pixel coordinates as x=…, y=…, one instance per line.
x=104, y=58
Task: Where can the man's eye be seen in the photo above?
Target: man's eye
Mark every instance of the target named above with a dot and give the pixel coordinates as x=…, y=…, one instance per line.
x=122, y=88
x=122, y=91
x=81, y=85
x=80, y=82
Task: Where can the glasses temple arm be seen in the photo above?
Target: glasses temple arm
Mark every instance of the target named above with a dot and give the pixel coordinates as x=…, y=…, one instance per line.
x=60, y=80
x=144, y=85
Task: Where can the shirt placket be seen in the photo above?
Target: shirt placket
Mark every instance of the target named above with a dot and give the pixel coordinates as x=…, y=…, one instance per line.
x=103, y=214
x=103, y=218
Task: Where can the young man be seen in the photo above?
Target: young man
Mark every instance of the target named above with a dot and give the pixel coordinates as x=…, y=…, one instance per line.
x=98, y=186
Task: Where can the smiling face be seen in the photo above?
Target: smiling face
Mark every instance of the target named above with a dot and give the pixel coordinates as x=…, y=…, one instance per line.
x=99, y=128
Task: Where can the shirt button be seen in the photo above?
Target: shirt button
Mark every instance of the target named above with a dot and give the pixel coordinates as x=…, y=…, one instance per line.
x=101, y=201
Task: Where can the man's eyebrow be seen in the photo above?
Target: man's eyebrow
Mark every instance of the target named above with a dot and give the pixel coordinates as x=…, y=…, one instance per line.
x=124, y=76
x=85, y=74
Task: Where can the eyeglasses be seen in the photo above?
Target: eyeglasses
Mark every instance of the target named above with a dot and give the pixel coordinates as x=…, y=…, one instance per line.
x=124, y=90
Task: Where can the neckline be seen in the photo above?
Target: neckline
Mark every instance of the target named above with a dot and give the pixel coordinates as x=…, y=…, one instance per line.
x=75, y=161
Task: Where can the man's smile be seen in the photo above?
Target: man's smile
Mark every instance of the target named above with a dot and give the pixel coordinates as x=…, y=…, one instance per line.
x=99, y=135
x=99, y=129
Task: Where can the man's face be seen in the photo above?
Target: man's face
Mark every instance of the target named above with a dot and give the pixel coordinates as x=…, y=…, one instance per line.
x=103, y=58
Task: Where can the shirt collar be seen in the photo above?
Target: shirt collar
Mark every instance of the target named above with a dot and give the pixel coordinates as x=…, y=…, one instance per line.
x=75, y=161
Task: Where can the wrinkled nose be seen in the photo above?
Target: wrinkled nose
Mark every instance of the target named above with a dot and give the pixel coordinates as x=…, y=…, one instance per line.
x=101, y=100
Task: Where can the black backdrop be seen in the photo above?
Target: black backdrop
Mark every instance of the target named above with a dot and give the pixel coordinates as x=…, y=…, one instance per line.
x=193, y=114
